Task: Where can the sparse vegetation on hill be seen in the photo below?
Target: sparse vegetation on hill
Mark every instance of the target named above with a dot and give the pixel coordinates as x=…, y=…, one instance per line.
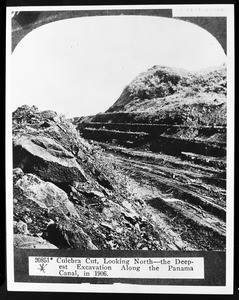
x=161, y=81
x=173, y=96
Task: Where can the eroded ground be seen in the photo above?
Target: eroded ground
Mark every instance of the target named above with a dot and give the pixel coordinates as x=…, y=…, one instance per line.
x=186, y=200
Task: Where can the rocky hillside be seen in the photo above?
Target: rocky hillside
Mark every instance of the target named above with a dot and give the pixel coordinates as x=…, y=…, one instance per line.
x=174, y=96
x=166, y=110
x=68, y=194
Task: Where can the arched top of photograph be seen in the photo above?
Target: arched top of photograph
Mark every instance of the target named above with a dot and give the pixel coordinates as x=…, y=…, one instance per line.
x=80, y=66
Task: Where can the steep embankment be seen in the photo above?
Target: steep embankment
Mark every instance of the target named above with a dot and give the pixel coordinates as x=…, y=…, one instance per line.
x=67, y=194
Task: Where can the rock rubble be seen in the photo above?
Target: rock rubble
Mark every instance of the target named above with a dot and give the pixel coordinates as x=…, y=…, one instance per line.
x=66, y=194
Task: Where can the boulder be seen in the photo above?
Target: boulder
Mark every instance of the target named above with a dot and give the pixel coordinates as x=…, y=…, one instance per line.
x=45, y=194
x=20, y=227
x=47, y=159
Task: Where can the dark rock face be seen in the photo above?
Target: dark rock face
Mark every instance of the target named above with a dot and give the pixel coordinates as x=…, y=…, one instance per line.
x=70, y=235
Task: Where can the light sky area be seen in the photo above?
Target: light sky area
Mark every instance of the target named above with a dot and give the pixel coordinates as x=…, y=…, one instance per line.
x=80, y=66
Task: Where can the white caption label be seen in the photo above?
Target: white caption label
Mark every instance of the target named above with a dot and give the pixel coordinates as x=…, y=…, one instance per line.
x=111, y=267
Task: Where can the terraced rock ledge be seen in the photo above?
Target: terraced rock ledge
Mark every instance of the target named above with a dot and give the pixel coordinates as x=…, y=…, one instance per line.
x=168, y=132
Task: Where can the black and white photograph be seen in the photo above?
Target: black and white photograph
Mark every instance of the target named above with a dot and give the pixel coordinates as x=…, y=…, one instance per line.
x=120, y=148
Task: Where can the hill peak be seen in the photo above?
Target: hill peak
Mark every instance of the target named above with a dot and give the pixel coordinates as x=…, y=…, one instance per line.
x=162, y=81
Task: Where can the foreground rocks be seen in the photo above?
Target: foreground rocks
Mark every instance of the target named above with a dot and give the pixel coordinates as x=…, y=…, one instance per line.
x=45, y=194
x=67, y=193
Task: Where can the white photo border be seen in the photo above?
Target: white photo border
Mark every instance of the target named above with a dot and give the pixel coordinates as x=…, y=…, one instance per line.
x=178, y=10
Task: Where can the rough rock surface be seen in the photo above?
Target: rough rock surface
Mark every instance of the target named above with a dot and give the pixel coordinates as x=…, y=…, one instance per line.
x=51, y=160
x=45, y=194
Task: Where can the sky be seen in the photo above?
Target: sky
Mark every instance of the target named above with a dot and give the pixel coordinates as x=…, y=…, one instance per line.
x=80, y=66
